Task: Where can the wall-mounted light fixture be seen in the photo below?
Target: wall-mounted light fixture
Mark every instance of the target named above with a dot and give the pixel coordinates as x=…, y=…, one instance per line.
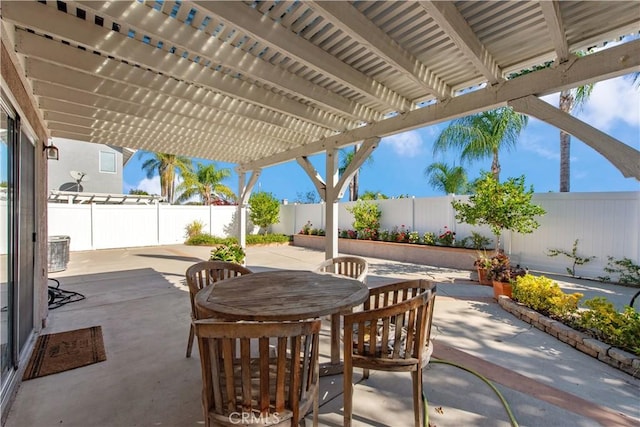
x=52, y=152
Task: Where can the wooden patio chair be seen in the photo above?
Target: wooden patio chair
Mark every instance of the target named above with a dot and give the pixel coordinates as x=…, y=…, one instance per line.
x=241, y=389
x=205, y=273
x=391, y=334
x=351, y=266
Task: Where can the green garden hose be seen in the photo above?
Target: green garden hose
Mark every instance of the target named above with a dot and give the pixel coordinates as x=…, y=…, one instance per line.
x=512, y=418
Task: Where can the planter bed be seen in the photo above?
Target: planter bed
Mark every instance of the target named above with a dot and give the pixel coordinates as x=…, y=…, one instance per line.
x=439, y=256
x=620, y=359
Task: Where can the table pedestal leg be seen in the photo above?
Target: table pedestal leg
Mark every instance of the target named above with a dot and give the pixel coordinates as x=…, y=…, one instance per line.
x=335, y=366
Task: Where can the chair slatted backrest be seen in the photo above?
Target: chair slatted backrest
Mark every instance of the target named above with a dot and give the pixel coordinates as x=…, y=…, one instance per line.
x=394, y=325
x=264, y=387
x=351, y=266
x=204, y=273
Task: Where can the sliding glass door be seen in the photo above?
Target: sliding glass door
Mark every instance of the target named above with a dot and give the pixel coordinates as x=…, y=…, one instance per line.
x=7, y=348
x=17, y=247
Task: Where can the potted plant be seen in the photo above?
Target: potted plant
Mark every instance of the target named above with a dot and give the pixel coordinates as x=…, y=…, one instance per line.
x=231, y=252
x=482, y=264
x=502, y=274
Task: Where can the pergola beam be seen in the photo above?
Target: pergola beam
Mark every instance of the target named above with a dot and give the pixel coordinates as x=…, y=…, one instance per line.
x=201, y=43
x=66, y=27
x=625, y=158
x=553, y=18
x=252, y=22
x=366, y=33
x=447, y=16
x=606, y=64
x=203, y=102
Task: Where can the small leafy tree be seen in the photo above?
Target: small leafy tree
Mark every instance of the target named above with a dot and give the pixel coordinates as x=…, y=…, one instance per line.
x=265, y=209
x=625, y=268
x=577, y=260
x=501, y=206
x=366, y=218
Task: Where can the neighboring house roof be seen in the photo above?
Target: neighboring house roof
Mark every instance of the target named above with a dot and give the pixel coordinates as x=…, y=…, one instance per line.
x=127, y=154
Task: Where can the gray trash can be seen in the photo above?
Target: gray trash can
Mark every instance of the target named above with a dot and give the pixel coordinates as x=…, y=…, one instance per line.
x=58, y=248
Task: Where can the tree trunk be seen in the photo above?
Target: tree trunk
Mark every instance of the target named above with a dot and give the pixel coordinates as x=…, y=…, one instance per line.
x=353, y=187
x=495, y=166
x=566, y=105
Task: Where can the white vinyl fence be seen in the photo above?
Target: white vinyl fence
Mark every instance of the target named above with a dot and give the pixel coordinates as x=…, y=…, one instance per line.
x=606, y=224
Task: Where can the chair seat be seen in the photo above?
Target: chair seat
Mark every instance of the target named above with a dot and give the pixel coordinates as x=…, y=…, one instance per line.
x=387, y=364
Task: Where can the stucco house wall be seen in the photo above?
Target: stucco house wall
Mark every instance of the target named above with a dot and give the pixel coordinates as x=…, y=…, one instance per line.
x=86, y=157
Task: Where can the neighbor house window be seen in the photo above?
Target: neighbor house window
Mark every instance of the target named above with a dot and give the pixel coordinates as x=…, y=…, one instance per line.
x=107, y=162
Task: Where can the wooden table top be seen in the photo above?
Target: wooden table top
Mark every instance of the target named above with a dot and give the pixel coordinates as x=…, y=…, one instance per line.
x=281, y=295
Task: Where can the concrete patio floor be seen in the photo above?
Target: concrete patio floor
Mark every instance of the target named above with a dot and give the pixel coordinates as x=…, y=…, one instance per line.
x=138, y=297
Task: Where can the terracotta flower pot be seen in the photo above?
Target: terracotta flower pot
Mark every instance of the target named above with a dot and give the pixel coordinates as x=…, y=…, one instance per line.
x=501, y=288
x=482, y=276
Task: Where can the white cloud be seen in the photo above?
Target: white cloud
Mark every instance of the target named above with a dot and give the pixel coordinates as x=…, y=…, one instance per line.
x=539, y=148
x=611, y=102
x=546, y=149
x=150, y=185
x=405, y=144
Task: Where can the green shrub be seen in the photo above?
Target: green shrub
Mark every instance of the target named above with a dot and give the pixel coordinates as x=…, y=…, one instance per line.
x=306, y=229
x=206, y=239
x=478, y=241
x=228, y=252
x=544, y=295
x=429, y=238
x=620, y=329
x=193, y=229
x=265, y=209
x=366, y=216
x=258, y=239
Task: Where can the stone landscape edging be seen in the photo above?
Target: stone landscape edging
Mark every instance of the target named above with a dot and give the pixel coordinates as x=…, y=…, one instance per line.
x=613, y=356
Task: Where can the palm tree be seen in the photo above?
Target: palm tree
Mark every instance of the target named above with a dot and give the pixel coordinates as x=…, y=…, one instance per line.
x=483, y=135
x=166, y=165
x=347, y=158
x=570, y=99
x=206, y=182
x=448, y=179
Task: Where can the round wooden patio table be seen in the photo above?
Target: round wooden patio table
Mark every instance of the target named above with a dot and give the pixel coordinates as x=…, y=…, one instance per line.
x=284, y=295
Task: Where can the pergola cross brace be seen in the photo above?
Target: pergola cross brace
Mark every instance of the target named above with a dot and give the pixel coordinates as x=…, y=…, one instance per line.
x=622, y=156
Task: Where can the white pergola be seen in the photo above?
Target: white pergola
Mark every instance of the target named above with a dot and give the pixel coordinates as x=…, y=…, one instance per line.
x=257, y=83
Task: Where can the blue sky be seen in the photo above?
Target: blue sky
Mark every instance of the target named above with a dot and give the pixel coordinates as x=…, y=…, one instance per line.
x=399, y=161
